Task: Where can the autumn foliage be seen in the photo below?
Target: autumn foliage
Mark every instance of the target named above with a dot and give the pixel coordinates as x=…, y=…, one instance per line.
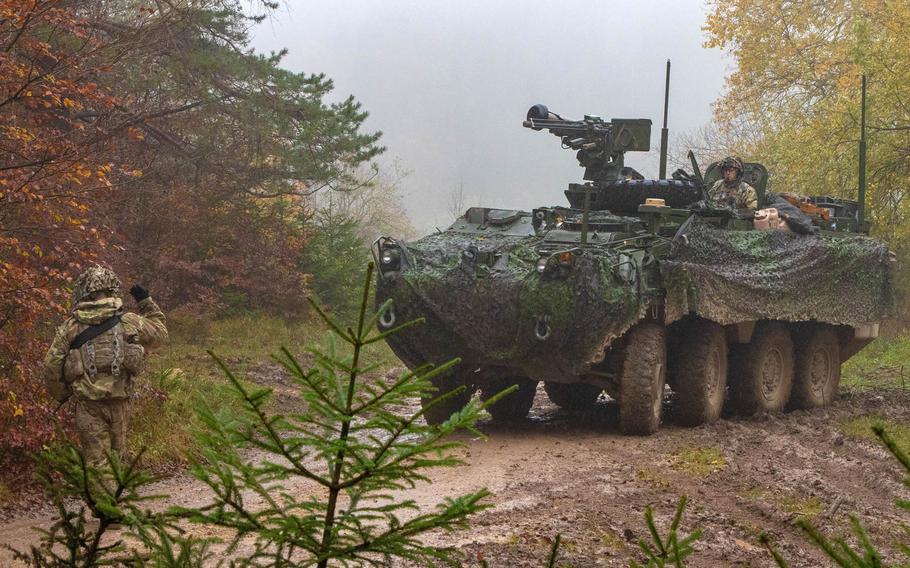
x=148, y=136
x=53, y=168
x=793, y=100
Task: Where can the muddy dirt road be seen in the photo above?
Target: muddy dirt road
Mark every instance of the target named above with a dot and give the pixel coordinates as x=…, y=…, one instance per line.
x=575, y=475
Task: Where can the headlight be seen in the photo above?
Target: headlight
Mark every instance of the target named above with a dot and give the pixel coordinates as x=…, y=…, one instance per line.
x=559, y=264
x=390, y=259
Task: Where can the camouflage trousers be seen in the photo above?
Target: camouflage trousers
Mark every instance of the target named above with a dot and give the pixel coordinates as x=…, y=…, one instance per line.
x=102, y=427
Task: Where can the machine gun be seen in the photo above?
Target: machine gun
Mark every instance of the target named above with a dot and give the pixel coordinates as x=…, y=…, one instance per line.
x=600, y=145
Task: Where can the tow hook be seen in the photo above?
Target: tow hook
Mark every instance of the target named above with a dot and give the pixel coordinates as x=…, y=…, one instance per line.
x=542, y=328
x=387, y=319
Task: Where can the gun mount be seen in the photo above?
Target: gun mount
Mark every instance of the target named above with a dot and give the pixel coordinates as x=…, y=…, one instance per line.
x=600, y=145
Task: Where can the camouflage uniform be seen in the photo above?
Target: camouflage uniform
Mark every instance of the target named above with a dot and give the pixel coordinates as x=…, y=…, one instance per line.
x=740, y=196
x=99, y=374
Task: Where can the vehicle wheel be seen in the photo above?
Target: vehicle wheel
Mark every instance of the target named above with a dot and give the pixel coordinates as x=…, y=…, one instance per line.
x=762, y=375
x=572, y=396
x=642, y=378
x=514, y=406
x=700, y=373
x=817, y=374
x=439, y=413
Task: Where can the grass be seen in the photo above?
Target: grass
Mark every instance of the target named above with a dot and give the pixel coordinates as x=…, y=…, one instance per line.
x=753, y=493
x=798, y=506
x=699, y=462
x=861, y=427
x=653, y=478
x=879, y=365
x=801, y=507
x=613, y=541
x=182, y=372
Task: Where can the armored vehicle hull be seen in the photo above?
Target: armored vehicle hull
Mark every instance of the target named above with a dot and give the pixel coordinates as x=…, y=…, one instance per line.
x=775, y=312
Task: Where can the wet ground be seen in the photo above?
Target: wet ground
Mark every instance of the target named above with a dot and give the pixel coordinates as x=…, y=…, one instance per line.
x=573, y=474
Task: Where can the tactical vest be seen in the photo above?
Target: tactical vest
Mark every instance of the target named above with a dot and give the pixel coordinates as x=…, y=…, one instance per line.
x=110, y=353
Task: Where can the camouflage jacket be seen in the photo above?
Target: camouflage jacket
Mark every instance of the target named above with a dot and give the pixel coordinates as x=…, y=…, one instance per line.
x=66, y=370
x=742, y=196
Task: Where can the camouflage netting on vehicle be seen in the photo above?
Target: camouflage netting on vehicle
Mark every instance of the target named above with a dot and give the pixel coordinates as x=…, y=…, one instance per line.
x=492, y=308
x=734, y=276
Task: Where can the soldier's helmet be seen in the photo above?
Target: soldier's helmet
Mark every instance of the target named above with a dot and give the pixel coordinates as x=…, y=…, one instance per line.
x=95, y=279
x=734, y=162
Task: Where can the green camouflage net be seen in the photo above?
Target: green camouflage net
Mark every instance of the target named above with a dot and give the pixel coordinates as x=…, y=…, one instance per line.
x=735, y=276
x=489, y=306
x=490, y=310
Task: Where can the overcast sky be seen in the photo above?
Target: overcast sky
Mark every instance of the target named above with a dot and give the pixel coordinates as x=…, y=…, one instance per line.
x=449, y=83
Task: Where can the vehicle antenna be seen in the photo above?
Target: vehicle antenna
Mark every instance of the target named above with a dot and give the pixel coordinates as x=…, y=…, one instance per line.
x=663, y=131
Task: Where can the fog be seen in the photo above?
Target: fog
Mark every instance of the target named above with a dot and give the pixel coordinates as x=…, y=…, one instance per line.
x=449, y=83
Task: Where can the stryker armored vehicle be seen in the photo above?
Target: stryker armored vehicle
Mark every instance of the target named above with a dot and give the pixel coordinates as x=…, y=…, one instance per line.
x=636, y=284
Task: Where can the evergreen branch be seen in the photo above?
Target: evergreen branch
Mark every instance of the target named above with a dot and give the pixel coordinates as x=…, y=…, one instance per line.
x=424, y=372
x=263, y=419
x=382, y=450
x=854, y=557
x=871, y=557
x=892, y=446
x=452, y=514
x=823, y=543
x=394, y=330
x=551, y=563
x=679, y=511
x=765, y=541
x=328, y=321
x=374, y=319
x=294, y=368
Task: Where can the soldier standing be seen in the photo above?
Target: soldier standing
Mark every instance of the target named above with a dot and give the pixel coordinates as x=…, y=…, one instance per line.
x=96, y=353
x=731, y=190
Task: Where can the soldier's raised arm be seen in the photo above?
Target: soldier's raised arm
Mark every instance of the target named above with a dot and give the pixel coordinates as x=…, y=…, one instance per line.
x=150, y=321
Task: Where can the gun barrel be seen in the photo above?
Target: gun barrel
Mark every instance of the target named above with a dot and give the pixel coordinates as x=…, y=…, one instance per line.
x=538, y=123
x=600, y=143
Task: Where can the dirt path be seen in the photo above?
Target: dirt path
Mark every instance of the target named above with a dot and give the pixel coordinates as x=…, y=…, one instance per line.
x=575, y=475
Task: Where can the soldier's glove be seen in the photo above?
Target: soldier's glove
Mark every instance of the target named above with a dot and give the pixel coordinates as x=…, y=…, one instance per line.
x=138, y=292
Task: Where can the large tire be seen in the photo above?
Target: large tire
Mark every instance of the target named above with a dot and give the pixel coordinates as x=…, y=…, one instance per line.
x=642, y=378
x=700, y=373
x=761, y=376
x=514, y=406
x=572, y=396
x=817, y=373
x=439, y=413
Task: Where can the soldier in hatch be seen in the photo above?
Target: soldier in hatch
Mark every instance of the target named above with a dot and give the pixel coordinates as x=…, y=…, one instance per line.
x=731, y=190
x=95, y=355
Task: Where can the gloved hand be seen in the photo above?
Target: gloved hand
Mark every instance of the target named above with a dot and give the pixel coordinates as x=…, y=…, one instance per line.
x=138, y=292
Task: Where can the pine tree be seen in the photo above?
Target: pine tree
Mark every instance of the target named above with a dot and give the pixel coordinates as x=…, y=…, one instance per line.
x=109, y=497
x=669, y=551
x=352, y=442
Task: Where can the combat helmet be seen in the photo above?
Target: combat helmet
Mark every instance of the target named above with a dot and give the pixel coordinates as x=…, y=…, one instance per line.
x=734, y=162
x=95, y=279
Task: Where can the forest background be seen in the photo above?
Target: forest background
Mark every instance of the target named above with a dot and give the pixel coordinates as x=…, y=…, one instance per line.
x=150, y=137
